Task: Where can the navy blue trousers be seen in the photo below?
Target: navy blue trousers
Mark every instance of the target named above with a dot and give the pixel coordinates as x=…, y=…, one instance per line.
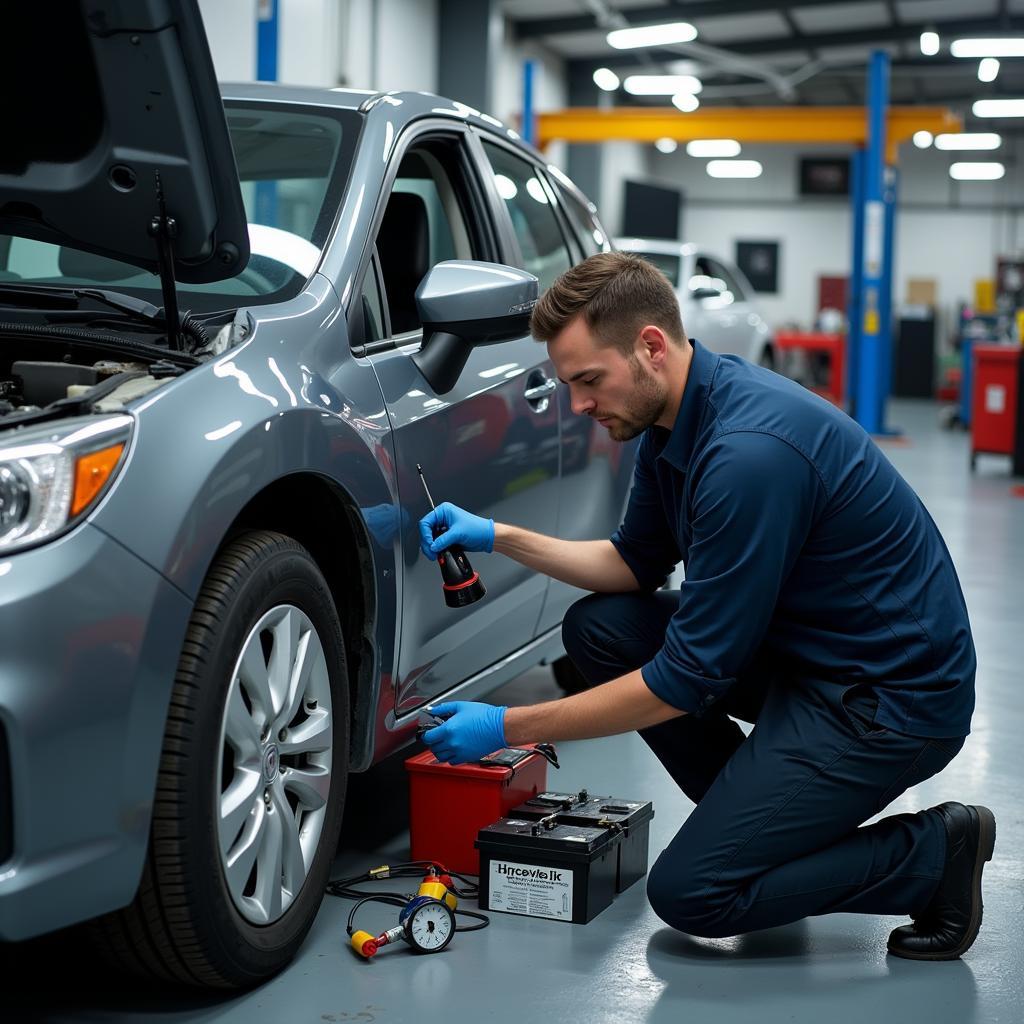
x=776, y=833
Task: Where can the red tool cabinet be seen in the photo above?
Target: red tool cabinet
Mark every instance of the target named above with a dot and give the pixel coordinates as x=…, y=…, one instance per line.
x=994, y=399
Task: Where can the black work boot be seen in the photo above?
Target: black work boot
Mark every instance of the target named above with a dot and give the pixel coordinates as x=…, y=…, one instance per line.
x=947, y=927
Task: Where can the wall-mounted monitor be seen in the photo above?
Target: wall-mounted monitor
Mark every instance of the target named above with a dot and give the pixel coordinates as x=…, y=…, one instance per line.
x=651, y=211
x=824, y=176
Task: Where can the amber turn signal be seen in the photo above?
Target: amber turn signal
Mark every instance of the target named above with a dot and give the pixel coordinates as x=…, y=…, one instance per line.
x=92, y=471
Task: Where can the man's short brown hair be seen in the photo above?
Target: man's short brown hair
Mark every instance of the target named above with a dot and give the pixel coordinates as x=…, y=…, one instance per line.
x=617, y=294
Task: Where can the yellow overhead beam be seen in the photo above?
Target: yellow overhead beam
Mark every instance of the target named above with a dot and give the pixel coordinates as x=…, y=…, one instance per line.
x=745, y=124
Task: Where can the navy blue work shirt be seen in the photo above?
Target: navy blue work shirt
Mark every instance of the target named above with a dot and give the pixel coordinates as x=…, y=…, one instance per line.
x=800, y=542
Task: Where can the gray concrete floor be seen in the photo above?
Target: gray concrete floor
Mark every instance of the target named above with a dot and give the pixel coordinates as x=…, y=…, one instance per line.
x=625, y=965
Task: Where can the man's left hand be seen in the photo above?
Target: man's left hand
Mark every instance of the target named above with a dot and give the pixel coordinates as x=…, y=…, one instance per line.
x=470, y=731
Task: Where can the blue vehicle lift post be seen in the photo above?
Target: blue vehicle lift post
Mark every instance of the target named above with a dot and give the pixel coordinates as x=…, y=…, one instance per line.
x=872, y=272
x=529, y=125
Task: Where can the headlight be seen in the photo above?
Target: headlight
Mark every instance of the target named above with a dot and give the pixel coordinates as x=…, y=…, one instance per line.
x=49, y=483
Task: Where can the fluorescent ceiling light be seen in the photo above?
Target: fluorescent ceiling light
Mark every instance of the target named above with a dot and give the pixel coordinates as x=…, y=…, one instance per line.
x=988, y=69
x=734, y=169
x=923, y=139
x=686, y=102
x=968, y=140
x=977, y=171
x=713, y=147
x=998, y=108
x=987, y=48
x=929, y=43
x=605, y=78
x=661, y=85
x=652, y=35
x=666, y=145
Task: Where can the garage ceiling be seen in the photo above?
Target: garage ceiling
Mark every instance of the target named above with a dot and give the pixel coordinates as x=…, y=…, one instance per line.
x=811, y=52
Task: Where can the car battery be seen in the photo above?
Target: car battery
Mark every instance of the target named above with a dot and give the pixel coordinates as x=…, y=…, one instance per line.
x=547, y=869
x=632, y=818
x=449, y=804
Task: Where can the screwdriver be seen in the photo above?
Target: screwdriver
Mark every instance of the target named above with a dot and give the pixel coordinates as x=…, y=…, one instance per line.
x=461, y=585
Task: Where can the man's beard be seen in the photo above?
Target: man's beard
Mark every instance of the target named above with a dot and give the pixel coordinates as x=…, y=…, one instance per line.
x=643, y=408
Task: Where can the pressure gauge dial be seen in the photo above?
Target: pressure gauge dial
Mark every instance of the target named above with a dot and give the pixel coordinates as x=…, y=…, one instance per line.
x=429, y=926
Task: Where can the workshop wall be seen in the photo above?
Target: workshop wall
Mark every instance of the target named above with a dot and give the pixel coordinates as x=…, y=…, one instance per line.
x=364, y=44
x=231, y=30
x=306, y=57
x=549, y=85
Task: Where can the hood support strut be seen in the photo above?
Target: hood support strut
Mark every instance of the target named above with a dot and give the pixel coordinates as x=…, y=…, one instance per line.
x=163, y=230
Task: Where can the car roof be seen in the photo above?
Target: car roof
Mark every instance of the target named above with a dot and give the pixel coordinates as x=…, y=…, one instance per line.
x=345, y=99
x=398, y=105
x=659, y=245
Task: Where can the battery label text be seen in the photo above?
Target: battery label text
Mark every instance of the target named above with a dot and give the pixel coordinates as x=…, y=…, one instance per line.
x=530, y=889
x=540, y=874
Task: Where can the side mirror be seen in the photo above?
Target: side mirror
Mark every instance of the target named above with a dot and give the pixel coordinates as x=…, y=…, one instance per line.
x=463, y=303
x=704, y=293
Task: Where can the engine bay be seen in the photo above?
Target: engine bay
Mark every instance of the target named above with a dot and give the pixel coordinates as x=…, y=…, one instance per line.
x=40, y=374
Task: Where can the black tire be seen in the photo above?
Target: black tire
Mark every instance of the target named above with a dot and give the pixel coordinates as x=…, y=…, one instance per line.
x=767, y=359
x=568, y=677
x=184, y=925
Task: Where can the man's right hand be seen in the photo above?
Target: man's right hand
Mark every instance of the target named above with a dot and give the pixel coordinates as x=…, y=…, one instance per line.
x=470, y=532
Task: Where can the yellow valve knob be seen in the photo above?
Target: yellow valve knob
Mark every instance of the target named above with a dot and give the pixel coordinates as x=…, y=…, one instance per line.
x=364, y=944
x=440, y=892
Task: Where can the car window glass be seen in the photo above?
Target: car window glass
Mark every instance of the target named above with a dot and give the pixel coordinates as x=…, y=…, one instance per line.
x=704, y=276
x=425, y=222
x=732, y=285
x=666, y=263
x=588, y=234
x=545, y=254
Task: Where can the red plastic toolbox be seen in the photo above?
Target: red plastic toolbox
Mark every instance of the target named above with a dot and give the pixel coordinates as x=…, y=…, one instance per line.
x=449, y=804
x=994, y=398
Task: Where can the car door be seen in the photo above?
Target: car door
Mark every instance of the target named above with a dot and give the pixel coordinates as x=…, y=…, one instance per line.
x=720, y=316
x=490, y=444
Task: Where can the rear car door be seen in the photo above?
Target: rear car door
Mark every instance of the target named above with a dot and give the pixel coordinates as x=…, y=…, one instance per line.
x=484, y=445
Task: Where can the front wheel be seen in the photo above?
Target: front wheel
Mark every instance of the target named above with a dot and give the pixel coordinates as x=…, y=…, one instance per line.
x=252, y=777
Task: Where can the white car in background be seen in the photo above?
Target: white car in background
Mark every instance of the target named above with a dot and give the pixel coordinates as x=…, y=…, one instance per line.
x=715, y=299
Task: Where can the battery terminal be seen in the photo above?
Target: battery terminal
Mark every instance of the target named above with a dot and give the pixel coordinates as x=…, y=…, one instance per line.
x=545, y=824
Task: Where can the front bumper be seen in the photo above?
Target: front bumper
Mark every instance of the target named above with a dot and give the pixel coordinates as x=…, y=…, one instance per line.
x=89, y=642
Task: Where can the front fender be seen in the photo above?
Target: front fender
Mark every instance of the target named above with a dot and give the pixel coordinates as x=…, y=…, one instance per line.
x=289, y=400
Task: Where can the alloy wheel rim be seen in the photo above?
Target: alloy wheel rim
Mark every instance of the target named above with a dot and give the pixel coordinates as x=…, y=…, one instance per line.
x=274, y=775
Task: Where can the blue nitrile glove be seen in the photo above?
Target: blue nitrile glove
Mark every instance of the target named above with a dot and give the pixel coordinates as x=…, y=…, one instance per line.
x=470, y=731
x=470, y=532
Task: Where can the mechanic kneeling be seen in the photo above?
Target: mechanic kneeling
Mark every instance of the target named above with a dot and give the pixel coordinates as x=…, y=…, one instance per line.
x=819, y=602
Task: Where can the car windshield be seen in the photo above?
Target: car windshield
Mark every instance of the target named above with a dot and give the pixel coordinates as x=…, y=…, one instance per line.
x=666, y=263
x=292, y=165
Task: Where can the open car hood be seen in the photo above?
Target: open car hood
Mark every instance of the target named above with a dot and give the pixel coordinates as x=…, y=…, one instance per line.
x=104, y=97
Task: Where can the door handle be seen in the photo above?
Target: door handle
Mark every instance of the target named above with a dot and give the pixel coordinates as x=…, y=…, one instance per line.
x=535, y=394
